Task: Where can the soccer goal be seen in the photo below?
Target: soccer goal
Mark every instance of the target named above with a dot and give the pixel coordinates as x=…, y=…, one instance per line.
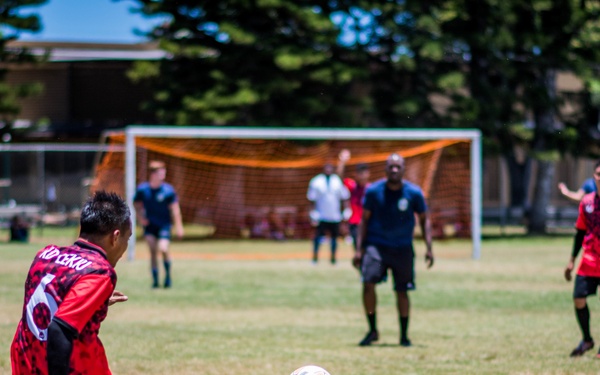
x=251, y=182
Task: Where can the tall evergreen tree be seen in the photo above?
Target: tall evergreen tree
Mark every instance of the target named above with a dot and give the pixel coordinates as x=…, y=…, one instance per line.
x=239, y=62
x=13, y=20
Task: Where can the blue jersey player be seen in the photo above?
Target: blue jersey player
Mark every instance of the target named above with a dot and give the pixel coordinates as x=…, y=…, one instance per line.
x=385, y=241
x=157, y=209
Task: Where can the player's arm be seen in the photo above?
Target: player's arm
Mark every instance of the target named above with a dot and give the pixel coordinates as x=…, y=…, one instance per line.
x=312, y=196
x=573, y=195
x=581, y=227
x=88, y=294
x=425, y=224
x=577, y=242
x=360, y=237
x=346, y=207
x=176, y=216
x=140, y=213
x=59, y=347
x=343, y=158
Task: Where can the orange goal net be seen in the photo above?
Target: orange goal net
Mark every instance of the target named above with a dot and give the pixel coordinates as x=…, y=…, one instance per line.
x=256, y=188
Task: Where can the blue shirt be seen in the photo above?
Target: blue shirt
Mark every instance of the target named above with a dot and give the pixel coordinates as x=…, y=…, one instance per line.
x=392, y=220
x=156, y=202
x=589, y=186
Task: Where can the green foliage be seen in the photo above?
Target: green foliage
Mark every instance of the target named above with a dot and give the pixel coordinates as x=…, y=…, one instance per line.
x=13, y=22
x=249, y=63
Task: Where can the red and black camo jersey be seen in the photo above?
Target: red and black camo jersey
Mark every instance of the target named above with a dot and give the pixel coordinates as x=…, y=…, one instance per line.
x=589, y=221
x=72, y=284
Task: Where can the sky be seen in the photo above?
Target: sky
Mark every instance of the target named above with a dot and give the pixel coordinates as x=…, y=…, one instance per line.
x=99, y=21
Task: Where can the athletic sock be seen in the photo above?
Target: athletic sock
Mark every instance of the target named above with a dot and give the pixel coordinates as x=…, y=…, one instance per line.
x=404, y=328
x=583, y=318
x=167, y=264
x=155, y=277
x=372, y=319
x=333, y=249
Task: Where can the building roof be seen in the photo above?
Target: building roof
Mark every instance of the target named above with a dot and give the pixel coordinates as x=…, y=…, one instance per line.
x=75, y=51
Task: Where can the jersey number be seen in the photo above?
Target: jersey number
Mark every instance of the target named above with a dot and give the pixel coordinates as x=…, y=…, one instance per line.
x=40, y=309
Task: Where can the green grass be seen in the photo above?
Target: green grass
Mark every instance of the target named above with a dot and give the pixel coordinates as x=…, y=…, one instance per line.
x=508, y=313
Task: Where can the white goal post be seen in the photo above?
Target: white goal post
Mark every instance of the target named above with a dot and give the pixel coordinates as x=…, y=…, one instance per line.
x=217, y=132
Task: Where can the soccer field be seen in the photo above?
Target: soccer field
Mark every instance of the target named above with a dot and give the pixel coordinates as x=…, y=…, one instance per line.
x=260, y=307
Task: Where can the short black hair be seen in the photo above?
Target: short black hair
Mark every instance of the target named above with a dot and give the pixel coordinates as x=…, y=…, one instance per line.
x=103, y=213
x=362, y=167
x=597, y=164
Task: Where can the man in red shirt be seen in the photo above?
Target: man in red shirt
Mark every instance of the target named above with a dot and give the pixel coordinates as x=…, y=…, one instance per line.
x=67, y=294
x=588, y=274
x=357, y=188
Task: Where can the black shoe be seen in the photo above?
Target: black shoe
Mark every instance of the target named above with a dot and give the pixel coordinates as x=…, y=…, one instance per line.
x=583, y=347
x=154, y=285
x=167, y=282
x=369, y=338
x=405, y=342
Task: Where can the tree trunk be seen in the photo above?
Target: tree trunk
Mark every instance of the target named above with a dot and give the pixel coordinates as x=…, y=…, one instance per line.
x=519, y=173
x=541, y=197
x=544, y=126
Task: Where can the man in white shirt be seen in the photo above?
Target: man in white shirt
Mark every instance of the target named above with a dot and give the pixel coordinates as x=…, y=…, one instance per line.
x=327, y=193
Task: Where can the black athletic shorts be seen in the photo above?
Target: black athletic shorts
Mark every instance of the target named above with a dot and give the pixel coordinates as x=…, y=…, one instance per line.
x=158, y=231
x=378, y=259
x=585, y=286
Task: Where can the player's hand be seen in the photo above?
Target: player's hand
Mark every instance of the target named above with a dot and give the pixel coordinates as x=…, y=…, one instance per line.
x=429, y=258
x=314, y=217
x=347, y=213
x=357, y=259
x=117, y=297
x=344, y=155
x=568, y=271
x=179, y=232
x=562, y=187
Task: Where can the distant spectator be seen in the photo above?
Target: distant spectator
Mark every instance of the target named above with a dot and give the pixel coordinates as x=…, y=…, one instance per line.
x=276, y=225
x=51, y=198
x=19, y=229
x=357, y=187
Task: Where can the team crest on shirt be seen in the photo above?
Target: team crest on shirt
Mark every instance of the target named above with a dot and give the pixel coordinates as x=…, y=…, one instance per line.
x=160, y=197
x=403, y=204
x=589, y=208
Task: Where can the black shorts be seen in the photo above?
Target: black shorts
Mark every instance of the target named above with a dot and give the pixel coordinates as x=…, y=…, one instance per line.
x=158, y=231
x=378, y=259
x=585, y=286
x=328, y=226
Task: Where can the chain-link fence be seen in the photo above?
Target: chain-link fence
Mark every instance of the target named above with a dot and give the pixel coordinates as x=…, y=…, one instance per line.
x=45, y=184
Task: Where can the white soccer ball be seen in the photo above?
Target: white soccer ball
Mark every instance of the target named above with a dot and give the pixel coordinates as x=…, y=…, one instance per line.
x=310, y=370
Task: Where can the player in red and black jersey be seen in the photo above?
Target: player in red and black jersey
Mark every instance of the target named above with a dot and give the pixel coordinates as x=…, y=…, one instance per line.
x=588, y=273
x=67, y=294
x=357, y=188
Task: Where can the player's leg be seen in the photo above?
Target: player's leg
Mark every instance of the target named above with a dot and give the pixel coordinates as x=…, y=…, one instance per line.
x=373, y=271
x=164, y=240
x=353, y=233
x=583, y=287
x=402, y=263
x=403, y=303
x=163, y=247
x=319, y=233
x=152, y=242
x=334, y=230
